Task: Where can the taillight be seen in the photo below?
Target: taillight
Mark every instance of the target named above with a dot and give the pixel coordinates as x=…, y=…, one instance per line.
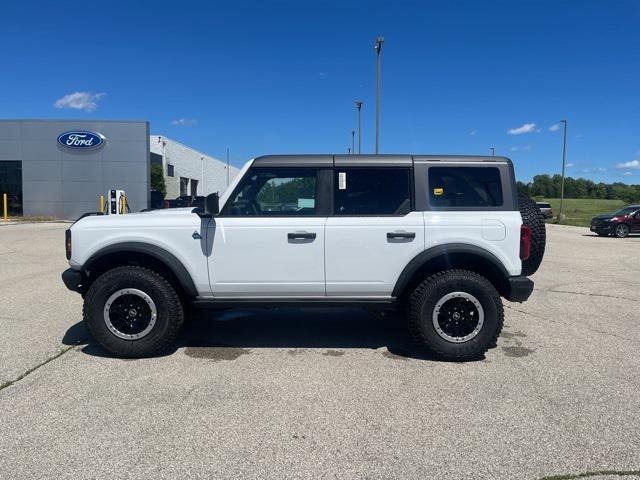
x=67, y=243
x=525, y=242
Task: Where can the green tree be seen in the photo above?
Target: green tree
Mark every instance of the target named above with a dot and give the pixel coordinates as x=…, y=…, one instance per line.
x=157, y=179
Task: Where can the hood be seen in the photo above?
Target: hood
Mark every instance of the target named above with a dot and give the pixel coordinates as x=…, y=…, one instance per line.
x=606, y=216
x=165, y=211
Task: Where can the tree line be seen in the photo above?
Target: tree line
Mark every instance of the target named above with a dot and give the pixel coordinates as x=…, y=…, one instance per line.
x=548, y=186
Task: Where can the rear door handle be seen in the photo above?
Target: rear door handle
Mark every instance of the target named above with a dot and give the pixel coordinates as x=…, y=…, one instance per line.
x=301, y=236
x=405, y=235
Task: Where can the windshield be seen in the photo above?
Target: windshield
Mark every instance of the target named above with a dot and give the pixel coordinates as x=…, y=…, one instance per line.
x=624, y=211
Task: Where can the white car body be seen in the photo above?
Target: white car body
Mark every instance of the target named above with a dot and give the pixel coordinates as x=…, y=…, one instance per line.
x=252, y=257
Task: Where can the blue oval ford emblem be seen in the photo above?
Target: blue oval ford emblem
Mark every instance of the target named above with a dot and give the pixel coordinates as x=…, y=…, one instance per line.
x=81, y=140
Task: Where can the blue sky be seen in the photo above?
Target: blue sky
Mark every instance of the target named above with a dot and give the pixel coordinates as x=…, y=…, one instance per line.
x=282, y=76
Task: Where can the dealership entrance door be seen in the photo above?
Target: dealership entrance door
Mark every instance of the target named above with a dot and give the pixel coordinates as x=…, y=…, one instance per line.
x=11, y=184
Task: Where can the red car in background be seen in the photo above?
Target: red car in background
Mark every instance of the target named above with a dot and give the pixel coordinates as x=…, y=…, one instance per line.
x=619, y=223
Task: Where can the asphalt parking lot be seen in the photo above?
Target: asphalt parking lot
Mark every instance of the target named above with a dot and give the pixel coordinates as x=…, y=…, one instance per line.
x=316, y=394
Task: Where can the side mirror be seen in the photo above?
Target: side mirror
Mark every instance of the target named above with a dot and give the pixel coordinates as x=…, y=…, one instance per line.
x=211, y=204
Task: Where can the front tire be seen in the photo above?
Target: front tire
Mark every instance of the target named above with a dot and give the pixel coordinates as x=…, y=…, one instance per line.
x=621, y=230
x=456, y=315
x=133, y=312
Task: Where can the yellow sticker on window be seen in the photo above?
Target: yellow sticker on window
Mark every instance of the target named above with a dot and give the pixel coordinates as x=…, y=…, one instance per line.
x=438, y=191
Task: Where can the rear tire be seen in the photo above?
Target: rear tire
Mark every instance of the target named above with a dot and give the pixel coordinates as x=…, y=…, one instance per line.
x=442, y=310
x=533, y=217
x=133, y=312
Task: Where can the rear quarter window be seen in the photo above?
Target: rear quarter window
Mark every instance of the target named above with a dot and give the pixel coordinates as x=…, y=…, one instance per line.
x=465, y=187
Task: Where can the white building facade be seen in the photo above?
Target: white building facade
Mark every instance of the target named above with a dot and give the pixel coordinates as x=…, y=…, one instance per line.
x=188, y=171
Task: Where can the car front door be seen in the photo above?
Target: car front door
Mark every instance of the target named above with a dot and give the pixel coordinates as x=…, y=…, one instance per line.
x=268, y=240
x=373, y=232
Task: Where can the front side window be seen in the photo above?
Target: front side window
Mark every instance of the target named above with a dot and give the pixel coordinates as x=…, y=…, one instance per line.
x=275, y=192
x=372, y=191
x=465, y=187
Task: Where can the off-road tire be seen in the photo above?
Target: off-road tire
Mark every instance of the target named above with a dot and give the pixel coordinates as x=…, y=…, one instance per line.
x=421, y=304
x=533, y=217
x=620, y=232
x=170, y=314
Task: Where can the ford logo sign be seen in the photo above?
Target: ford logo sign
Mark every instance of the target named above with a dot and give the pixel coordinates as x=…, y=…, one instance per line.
x=81, y=140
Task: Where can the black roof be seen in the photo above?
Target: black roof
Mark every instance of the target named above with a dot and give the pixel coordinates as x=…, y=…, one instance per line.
x=369, y=160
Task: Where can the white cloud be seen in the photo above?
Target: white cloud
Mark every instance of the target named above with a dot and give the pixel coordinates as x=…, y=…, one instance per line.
x=627, y=173
x=630, y=164
x=86, y=101
x=185, y=121
x=526, y=128
x=555, y=127
x=472, y=133
x=524, y=147
x=569, y=165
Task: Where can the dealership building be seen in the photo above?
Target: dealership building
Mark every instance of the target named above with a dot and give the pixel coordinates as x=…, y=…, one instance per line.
x=60, y=168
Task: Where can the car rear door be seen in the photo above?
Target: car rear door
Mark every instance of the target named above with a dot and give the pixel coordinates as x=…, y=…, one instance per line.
x=268, y=240
x=372, y=233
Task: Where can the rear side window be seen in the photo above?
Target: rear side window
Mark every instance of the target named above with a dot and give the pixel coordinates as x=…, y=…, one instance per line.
x=372, y=191
x=465, y=187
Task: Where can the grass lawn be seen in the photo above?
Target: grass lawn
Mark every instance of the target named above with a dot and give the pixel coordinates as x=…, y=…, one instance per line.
x=579, y=211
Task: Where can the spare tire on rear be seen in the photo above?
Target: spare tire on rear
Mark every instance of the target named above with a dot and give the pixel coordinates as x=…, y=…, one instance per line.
x=532, y=216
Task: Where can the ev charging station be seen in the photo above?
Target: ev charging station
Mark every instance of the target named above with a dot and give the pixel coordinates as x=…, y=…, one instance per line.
x=116, y=202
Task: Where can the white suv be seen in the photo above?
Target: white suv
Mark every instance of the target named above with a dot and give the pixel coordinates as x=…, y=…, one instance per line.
x=443, y=237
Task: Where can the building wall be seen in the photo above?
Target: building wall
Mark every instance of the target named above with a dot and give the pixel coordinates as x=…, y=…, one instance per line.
x=65, y=184
x=189, y=163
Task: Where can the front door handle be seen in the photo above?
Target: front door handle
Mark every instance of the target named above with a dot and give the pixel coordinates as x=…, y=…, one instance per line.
x=301, y=236
x=402, y=235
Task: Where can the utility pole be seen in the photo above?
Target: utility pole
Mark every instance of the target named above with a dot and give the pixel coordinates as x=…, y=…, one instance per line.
x=564, y=159
x=378, y=48
x=359, y=107
x=493, y=151
x=353, y=135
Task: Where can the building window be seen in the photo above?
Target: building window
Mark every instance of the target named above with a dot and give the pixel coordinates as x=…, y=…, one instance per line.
x=464, y=187
x=170, y=171
x=372, y=191
x=194, y=187
x=184, y=186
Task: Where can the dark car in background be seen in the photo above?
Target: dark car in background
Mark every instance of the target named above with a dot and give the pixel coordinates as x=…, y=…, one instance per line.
x=546, y=209
x=619, y=223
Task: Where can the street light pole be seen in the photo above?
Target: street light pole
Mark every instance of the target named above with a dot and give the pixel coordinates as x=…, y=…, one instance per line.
x=202, y=165
x=564, y=159
x=353, y=135
x=359, y=107
x=378, y=48
x=227, y=166
x=493, y=151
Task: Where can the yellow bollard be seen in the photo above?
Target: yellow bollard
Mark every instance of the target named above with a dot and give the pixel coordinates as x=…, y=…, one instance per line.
x=4, y=206
x=101, y=204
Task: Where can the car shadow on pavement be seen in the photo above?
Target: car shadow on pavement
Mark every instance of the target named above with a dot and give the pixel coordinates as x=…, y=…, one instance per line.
x=220, y=334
